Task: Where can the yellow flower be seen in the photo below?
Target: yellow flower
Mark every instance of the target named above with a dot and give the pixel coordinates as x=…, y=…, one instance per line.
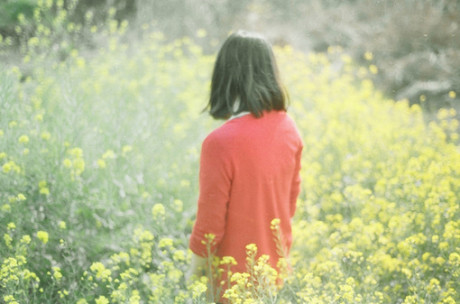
x=67, y=163
x=89, y=15
x=25, y=239
x=143, y=235
x=43, y=187
x=426, y=256
x=62, y=225
x=346, y=58
x=102, y=273
x=108, y=154
x=126, y=149
x=208, y=239
x=42, y=236
x=79, y=165
x=440, y=260
x=197, y=288
x=158, y=211
x=443, y=245
x=46, y=135
x=6, y=208
x=101, y=163
x=120, y=257
x=251, y=249
x=178, y=205
x=8, y=240
x=11, y=166
x=44, y=191
x=201, y=33
x=6, y=167
x=165, y=242
x=228, y=260
x=179, y=256
x=454, y=259
x=274, y=224
x=24, y=139
x=76, y=152
x=10, y=299
x=184, y=183
x=373, y=69
x=135, y=297
x=102, y=300
x=368, y=56
x=452, y=94
x=57, y=273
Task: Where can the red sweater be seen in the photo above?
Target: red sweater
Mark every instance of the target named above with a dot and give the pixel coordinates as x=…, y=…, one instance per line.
x=249, y=175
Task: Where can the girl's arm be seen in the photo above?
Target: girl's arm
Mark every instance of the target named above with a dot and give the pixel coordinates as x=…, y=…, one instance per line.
x=295, y=187
x=215, y=183
x=197, y=267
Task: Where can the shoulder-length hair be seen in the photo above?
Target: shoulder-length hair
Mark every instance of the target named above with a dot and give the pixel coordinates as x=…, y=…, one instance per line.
x=245, y=78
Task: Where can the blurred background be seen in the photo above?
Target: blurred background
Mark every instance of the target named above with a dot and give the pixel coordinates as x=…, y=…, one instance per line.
x=414, y=45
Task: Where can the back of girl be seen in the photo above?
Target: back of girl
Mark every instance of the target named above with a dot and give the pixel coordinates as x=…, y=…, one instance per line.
x=249, y=166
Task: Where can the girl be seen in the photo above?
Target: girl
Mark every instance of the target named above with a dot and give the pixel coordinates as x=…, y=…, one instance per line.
x=249, y=167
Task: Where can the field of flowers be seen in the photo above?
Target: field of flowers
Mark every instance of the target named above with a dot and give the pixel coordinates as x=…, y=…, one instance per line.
x=99, y=156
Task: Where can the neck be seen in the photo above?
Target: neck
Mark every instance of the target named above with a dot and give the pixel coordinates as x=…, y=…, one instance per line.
x=239, y=115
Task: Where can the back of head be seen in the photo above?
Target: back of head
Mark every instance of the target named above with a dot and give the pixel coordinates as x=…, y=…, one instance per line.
x=245, y=78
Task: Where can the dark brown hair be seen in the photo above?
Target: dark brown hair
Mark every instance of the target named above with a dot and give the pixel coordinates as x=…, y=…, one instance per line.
x=245, y=70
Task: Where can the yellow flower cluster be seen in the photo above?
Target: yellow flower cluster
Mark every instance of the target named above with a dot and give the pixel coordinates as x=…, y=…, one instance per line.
x=43, y=187
x=380, y=192
x=14, y=274
x=11, y=166
x=100, y=272
x=75, y=162
x=258, y=284
x=43, y=236
x=158, y=212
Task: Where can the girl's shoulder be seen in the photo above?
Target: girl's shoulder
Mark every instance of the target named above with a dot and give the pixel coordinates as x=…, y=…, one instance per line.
x=248, y=126
x=219, y=136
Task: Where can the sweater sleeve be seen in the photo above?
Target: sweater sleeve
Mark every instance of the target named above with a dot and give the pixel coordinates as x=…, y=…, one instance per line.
x=295, y=186
x=215, y=183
